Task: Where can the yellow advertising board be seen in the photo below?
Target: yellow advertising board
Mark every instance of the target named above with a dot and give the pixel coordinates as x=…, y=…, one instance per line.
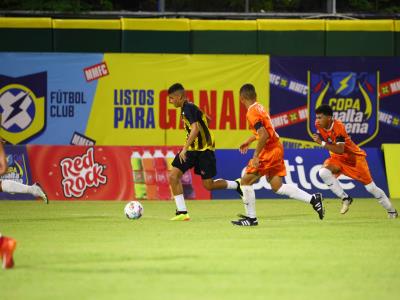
x=131, y=106
x=392, y=164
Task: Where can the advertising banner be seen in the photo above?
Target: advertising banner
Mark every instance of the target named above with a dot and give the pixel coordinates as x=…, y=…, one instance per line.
x=108, y=173
x=121, y=99
x=392, y=163
x=363, y=92
x=18, y=170
x=302, y=167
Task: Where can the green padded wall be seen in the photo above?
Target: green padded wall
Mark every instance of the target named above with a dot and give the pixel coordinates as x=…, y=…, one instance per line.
x=87, y=35
x=291, y=37
x=224, y=37
x=360, y=38
x=26, y=34
x=156, y=36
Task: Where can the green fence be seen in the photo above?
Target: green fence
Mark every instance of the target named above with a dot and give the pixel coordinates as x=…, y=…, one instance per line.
x=277, y=37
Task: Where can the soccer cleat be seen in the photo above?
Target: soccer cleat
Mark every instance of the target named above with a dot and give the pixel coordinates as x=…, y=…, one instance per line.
x=246, y=221
x=239, y=188
x=7, y=247
x=393, y=214
x=181, y=216
x=316, y=202
x=242, y=216
x=38, y=192
x=345, y=205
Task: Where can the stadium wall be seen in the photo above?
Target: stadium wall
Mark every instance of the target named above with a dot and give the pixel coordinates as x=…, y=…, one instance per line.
x=139, y=172
x=119, y=100
x=273, y=37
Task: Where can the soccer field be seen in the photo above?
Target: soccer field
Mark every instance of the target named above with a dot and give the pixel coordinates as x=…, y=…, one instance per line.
x=89, y=250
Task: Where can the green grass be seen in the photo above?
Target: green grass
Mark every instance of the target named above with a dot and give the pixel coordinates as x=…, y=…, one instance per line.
x=89, y=250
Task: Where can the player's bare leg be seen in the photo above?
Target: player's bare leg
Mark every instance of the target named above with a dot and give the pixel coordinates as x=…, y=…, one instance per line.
x=220, y=184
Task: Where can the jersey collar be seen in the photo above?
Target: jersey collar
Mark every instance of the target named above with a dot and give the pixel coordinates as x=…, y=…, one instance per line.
x=252, y=105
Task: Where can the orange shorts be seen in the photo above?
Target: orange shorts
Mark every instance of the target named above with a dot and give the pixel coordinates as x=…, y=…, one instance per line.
x=271, y=162
x=356, y=168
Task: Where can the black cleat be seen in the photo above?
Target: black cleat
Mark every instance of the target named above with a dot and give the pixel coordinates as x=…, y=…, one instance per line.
x=242, y=216
x=246, y=222
x=316, y=202
x=239, y=188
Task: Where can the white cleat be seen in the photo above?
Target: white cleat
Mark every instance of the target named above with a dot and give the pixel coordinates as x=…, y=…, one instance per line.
x=393, y=214
x=38, y=192
x=346, y=205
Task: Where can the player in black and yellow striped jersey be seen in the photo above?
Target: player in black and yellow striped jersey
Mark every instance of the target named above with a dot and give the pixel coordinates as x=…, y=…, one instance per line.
x=197, y=153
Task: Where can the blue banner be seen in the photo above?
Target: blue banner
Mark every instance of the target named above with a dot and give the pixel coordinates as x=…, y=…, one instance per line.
x=45, y=96
x=302, y=167
x=18, y=170
x=364, y=93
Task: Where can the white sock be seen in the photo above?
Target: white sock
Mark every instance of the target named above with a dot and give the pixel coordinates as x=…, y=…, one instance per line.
x=294, y=192
x=332, y=183
x=180, y=202
x=232, y=185
x=380, y=195
x=11, y=186
x=249, y=200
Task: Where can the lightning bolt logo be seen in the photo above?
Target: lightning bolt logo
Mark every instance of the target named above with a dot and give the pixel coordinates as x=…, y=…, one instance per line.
x=17, y=106
x=343, y=83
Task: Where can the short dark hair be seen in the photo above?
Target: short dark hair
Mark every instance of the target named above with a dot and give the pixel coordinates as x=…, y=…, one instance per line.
x=175, y=87
x=324, y=109
x=248, y=91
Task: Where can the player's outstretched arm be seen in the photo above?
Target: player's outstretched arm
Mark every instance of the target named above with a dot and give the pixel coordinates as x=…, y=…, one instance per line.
x=245, y=145
x=335, y=148
x=194, y=131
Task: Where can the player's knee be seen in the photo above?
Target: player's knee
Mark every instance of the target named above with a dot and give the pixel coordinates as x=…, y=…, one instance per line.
x=173, y=178
x=275, y=189
x=324, y=173
x=371, y=188
x=245, y=181
x=2, y=171
x=208, y=185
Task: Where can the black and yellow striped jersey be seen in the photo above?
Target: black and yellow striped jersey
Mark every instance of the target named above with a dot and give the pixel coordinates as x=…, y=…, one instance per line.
x=205, y=140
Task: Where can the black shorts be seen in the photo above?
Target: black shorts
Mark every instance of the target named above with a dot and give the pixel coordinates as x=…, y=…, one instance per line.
x=204, y=163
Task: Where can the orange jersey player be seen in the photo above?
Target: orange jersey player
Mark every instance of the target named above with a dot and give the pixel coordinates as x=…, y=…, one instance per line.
x=267, y=161
x=346, y=158
x=7, y=247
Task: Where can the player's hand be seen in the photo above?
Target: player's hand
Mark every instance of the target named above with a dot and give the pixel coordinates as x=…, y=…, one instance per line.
x=255, y=162
x=182, y=155
x=316, y=138
x=243, y=148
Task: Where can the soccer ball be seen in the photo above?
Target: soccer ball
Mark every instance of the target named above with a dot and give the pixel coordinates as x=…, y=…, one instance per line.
x=133, y=210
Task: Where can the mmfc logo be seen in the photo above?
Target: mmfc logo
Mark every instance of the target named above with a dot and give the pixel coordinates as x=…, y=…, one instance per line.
x=353, y=98
x=22, y=106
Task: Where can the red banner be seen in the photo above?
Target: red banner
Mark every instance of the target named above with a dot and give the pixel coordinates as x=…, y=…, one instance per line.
x=389, y=88
x=290, y=117
x=108, y=173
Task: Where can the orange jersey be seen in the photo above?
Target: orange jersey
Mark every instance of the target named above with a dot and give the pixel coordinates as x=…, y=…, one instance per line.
x=337, y=134
x=257, y=116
